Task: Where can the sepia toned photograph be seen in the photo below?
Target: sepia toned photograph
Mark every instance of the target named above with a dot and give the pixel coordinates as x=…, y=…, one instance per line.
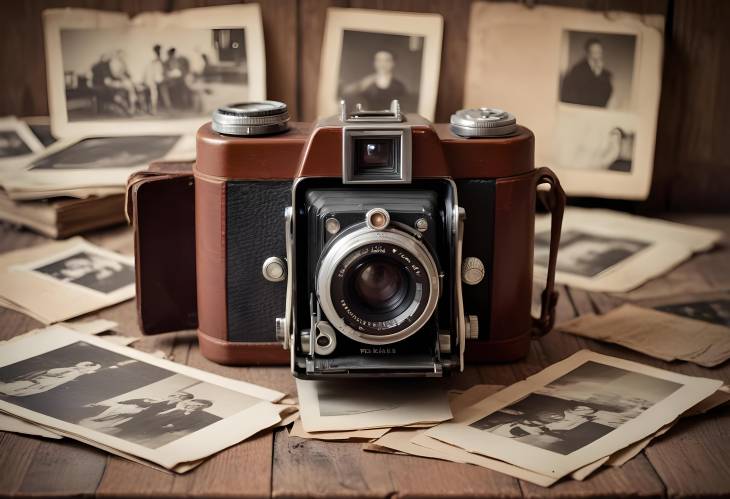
x=141, y=73
x=374, y=57
x=126, y=399
x=377, y=68
x=108, y=152
x=591, y=96
x=578, y=408
x=573, y=413
x=597, y=69
x=712, y=311
x=586, y=254
x=90, y=270
x=173, y=69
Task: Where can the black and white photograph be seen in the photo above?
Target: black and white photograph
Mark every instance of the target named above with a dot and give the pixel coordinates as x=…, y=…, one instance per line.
x=108, y=152
x=127, y=399
x=373, y=57
x=90, y=270
x=17, y=141
x=597, y=69
x=140, y=73
x=574, y=412
x=586, y=254
x=160, y=68
x=578, y=408
x=712, y=311
x=587, y=83
x=377, y=68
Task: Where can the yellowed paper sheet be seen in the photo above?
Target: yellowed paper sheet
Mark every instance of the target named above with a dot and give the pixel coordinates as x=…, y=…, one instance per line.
x=657, y=334
x=574, y=413
x=371, y=434
x=159, y=411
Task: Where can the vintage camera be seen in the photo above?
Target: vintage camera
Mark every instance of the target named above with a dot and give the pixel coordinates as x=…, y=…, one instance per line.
x=371, y=243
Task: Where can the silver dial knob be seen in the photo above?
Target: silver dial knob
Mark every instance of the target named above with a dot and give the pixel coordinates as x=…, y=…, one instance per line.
x=274, y=269
x=483, y=122
x=251, y=118
x=472, y=270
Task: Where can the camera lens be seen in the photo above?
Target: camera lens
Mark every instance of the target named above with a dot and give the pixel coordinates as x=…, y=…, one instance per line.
x=380, y=285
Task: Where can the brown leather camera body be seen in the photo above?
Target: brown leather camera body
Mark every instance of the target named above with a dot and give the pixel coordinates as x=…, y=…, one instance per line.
x=243, y=184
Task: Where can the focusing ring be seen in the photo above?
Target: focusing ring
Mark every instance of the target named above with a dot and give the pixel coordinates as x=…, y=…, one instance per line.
x=345, y=246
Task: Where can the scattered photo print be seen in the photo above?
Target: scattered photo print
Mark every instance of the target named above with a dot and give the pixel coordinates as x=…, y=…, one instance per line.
x=117, y=395
x=586, y=254
x=578, y=408
x=597, y=69
x=334, y=401
x=377, y=68
x=43, y=132
x=712, y=311
x=12, y=144
x=108, y=152
x=143, y=73
x=90, y=270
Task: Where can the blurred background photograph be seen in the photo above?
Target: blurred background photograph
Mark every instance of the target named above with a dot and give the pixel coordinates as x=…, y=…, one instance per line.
x=138, y=73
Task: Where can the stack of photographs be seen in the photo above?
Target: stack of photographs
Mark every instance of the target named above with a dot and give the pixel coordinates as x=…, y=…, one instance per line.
x=60, y=382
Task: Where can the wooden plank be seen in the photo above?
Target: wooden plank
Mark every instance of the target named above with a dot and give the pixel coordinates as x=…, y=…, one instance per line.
x=15, y=459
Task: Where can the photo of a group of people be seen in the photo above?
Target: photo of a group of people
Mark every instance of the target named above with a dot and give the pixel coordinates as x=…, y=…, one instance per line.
x=110, y=393
x=586, y=254
x=90, y=270
x=151, y=73
x=578, y=408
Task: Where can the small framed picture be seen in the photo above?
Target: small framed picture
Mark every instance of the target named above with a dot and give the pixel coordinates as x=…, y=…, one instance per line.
x=17, y=141
x=374, y=57
x=108, y=74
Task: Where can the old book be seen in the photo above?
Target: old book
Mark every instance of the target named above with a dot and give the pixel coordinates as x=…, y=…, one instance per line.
x=63, y=217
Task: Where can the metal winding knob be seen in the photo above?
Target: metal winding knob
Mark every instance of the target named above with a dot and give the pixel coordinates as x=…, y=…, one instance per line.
x=472, y=327
x=472, y=270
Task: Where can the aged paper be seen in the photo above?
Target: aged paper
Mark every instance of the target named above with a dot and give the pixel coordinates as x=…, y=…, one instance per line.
x=372, y=57
x=371, y=434
x=657, y=334
x=80, y=166
x=110, y=75
x=117, y=397
x=15, y=425
x=61, y=280
x=603, y=250
x=345, y=405
x=586, y=83
x=574, y=413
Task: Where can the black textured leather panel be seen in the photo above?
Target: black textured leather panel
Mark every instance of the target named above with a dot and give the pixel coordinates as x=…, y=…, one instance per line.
x=254, y=232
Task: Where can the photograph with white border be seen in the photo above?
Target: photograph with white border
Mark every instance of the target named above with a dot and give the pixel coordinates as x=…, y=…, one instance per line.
x=586, y=83
x=128, y=400
x=372, y=57
x=596, y=405
x=61, y=280
x=603, y=250
x=109, y=74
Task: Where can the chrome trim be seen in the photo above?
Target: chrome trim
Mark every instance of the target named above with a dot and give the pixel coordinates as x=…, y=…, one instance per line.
x=289, y=242
x=459, y=217
x=357, y=239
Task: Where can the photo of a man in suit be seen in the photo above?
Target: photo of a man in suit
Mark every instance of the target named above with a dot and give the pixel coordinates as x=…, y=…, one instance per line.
x=588, y=82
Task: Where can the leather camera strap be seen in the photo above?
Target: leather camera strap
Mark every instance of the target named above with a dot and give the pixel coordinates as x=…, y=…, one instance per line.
x=554, y=201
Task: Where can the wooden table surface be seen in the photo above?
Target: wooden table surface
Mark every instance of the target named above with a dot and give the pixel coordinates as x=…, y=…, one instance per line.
x=693, y=459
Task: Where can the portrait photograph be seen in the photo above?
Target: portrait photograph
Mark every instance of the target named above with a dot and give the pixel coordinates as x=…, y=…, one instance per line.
x=372, y=58
x=573, y=413
x=578, y=408
x=597, y=69
x=126, y=399
x=17, y=141
x=173, y=69
x=586, y=83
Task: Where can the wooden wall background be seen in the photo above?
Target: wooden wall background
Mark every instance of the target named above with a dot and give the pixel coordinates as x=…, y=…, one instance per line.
x=692, y=160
